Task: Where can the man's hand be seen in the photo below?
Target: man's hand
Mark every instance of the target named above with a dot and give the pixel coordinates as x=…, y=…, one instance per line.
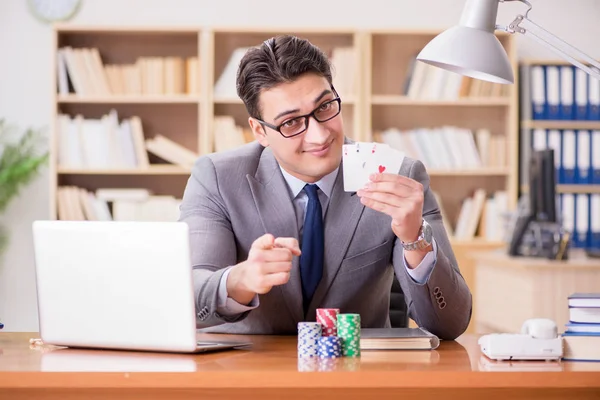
x=402, y=199
x=269, y=264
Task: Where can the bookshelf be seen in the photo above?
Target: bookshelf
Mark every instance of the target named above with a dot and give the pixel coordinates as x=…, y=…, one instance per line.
x=371, y=72
x=422, y=105
x=561, y=111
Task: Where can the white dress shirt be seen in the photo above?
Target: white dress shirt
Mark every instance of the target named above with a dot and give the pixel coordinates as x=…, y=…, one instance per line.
x=228, y=307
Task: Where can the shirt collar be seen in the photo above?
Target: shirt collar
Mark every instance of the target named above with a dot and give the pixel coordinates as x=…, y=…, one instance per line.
x=296, y=185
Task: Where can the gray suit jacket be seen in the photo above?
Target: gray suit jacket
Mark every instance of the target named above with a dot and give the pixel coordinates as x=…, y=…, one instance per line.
x=234, y=197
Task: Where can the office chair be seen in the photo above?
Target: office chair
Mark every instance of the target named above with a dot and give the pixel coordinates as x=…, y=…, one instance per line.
x=398, y=309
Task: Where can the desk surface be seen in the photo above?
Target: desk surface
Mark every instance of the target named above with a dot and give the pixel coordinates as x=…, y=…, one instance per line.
x=272, y=370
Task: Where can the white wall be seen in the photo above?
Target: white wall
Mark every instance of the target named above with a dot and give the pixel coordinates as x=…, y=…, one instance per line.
x=26, y=61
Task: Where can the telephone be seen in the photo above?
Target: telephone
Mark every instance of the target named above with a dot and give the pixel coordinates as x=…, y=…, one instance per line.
x=538, y=340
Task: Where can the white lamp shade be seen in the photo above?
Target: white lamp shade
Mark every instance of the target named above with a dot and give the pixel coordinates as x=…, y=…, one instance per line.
x=469, y=51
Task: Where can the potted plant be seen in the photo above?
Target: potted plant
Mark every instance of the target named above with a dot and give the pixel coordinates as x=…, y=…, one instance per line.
x=20, y=161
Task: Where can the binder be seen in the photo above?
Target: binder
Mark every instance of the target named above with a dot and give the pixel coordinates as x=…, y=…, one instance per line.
x=539, y=139
x=569, y=155
x=582, y=220
x=552, y=92
x=594, y=99
x=555, y=143
x=594, y=241
x=581, y=94
x=595, y=157
x=568, y=213
x=584, y=154
x=538, y=92
x=567, y=92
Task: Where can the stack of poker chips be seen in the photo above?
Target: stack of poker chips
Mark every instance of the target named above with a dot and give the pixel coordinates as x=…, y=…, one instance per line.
x=334, y=335
x=348, y=327
x=308, y=336
x=327, y=317
x=329, y=347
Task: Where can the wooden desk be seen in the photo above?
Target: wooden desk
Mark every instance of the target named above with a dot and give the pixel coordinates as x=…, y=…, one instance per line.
x=509, y=290
x=271, y=370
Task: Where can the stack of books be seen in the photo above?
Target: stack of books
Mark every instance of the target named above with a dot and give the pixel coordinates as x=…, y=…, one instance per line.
x=582, y=335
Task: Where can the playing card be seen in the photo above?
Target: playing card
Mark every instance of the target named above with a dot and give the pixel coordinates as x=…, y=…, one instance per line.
x=384, y=160
x=362, y=159
x=353, y=166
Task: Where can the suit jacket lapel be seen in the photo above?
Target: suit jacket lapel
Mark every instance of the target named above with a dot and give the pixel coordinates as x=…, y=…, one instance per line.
x=272, y=200
x=343, y=214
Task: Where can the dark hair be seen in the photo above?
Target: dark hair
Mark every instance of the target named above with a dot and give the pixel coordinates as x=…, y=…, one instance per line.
x=278, y=60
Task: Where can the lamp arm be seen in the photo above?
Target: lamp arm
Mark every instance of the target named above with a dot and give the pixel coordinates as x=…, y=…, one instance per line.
x=527, y=27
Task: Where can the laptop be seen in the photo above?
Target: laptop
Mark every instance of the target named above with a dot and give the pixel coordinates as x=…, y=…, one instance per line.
x=117, y=285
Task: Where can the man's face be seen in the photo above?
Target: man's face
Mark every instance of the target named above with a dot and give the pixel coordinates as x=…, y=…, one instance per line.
x=318, y=150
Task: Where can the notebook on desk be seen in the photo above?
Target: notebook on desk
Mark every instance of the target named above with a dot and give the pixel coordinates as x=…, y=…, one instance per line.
x=397, y=339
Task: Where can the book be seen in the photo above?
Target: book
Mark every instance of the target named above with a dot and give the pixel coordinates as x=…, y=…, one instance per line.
x=397, y=339
x=584, y=315
x=581, y=346
x=584, y=300
x=582, y=328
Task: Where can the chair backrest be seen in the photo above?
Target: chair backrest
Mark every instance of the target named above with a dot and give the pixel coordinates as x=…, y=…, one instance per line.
x=398, y=309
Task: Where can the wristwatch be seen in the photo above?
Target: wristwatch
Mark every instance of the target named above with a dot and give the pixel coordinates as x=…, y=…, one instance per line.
x=425, y=238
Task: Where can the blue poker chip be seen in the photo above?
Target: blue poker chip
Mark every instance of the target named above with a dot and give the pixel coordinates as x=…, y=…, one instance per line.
x=329, y=347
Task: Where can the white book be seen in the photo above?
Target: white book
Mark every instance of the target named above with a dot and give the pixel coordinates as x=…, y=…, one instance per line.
x=225, y=86
x=127, y=144
x=63, y=80
x=462, y=223
x=114, y=194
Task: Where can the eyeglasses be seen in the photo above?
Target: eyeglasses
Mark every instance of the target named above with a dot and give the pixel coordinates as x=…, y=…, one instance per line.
x=295, y=126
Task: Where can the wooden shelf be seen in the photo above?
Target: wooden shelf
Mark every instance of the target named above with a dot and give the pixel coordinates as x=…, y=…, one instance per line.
x=141, y=99
x=549, y=124
x=153, y=170
x=237, y=100
x=484, y=171
x=392, y=100
x=570, y=188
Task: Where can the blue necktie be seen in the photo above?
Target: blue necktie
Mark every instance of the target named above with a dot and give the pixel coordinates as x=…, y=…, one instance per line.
x=311, y=260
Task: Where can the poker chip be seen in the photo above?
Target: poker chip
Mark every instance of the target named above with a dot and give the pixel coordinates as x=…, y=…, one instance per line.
x=348, y=327
x=329, y=347
x=308, y=336
x=327, y=317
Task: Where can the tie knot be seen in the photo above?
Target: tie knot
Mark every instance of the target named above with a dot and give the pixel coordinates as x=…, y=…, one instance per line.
x=311, y=191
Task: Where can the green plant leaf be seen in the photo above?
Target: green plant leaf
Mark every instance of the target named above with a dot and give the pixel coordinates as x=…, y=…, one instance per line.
x=20, y=160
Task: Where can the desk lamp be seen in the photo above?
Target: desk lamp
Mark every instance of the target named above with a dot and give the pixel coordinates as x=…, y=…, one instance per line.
x=472, y=49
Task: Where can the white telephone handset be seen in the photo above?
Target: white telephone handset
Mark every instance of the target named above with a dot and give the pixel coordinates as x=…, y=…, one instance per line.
x=540, y=328
x=538, y=340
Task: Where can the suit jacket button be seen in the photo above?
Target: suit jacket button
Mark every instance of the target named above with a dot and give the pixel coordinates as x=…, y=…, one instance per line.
x=436, y=290
x=442, y=305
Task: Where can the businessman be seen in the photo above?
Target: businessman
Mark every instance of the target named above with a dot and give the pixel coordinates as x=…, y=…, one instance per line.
x=274, y=236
